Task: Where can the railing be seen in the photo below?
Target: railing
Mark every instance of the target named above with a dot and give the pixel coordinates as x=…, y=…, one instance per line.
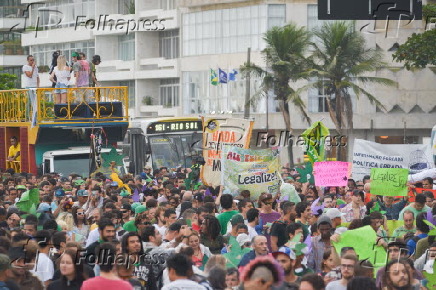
x=50, y=106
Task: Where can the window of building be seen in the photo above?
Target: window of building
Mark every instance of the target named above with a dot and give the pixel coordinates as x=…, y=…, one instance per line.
x=318, y=100
x=61, y=13
x=169, y=92
x=169, y=44
x=44, y=53
x=167, y=4
x=126, y=44
x=126, y=7
x=229, y=30
x=200, y=96
x=131, y=87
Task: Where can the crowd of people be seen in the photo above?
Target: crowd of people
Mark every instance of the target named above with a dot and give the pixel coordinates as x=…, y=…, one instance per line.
x=152, y=232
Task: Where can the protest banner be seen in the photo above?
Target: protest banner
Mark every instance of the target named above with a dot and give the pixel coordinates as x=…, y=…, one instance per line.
x=255, y=170
x=367, y=155
x=331, y=173
x=219, y=132
x=315, y=138
x=363, y=240
x=389, y=181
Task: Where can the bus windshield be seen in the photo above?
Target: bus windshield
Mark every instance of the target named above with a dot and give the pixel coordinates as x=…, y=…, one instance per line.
x=67, y=164
x=175, y=150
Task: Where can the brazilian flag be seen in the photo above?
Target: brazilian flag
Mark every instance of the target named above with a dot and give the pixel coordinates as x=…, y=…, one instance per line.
x=314, y=138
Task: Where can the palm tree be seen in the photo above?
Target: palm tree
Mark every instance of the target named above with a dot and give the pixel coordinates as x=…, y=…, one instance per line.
x=341, y=64
x=285, y=63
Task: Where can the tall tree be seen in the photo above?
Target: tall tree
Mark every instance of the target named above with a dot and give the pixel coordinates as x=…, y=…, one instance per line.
x=7, y=81
x=342, y=63
x=285, y=63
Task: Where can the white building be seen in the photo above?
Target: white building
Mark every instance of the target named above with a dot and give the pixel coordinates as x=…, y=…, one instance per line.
x=164, y=50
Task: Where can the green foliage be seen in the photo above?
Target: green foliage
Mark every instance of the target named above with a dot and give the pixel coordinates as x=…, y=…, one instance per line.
x=429, y=10
x=418, y=51
x=7, y=81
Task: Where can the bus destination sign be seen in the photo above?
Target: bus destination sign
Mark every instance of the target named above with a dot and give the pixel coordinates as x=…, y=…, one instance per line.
x=174, y=126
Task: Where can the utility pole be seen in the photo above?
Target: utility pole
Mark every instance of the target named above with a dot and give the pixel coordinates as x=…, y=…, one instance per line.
x=247, y=89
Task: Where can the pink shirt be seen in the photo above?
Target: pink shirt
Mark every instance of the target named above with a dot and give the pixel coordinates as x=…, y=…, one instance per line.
x=100, y=283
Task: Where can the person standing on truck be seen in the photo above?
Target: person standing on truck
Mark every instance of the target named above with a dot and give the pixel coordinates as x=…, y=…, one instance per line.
x=14, y=155
x=31, y=75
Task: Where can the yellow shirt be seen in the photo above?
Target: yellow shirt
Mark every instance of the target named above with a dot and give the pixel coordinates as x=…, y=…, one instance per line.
x=13, y=150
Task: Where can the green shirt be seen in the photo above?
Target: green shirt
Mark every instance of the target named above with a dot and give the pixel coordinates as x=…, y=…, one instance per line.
x=401, y=231
x=224, y=218
x=414, y=210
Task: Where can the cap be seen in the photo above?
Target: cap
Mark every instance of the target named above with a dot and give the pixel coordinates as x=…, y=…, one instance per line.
x=130, y=226
x=126, y=206
x=5, y=262
x=242, y=239
x=44, y=207
x=236, y=219
x=140, y=209
x=135, y=205
x=78, y=182
x=285, y=251
x=82, y=192
x=198, y=197
x=21, y=187
x=124, y=193
x=74, y=54
x=59, y=193
x=333, y=213
x=114, y=183
x=323, y=219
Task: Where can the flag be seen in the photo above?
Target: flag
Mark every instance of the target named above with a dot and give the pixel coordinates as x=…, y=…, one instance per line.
x=135, y=196
x=213, y=77
x=314, y=138
x=223, y=76
x=28, y=199
x=232, y=75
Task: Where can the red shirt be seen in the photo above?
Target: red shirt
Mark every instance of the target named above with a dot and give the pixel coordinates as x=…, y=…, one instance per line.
x=100, y=283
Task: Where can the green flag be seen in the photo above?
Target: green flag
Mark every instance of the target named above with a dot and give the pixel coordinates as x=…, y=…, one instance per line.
x=236, y=253
x=213, y=77
x=28, y=198
x=314, y=138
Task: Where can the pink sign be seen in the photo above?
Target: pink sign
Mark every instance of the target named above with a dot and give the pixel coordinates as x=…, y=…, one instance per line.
x=331, y=173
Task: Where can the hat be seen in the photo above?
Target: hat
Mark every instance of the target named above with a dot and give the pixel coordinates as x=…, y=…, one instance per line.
x=323, y=219
x=135, y=205
x=21, y=187
x=265, y=196
x=78, y=182
x=124, y=193
x=140, y=209
x=74, y=54
x=5, y=262
x=242, y=239
x=126, y=206
x=44, y=207
x=16, y=253
x=130, y=226
x=285, y=251
x=114, y=183
x=82, y=192
x=236, y=219
x=198, y=197
x=333, y=213
x=147, y=167
x=59, y=193
x=96, y=58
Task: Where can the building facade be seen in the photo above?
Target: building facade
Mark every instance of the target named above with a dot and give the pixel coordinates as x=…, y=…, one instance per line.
x=164, y=50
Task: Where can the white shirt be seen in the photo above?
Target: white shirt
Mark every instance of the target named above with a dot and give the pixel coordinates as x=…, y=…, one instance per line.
x=335, y=285
x=251, y=232
x=182, y=284
x=44, y=268
x=93, y=237
x=30, y=82
x=162, y=230
x=61, y=75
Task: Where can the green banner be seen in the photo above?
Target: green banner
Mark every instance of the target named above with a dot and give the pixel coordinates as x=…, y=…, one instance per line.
x=314, y=138
x=363, y=241
x=389, y=181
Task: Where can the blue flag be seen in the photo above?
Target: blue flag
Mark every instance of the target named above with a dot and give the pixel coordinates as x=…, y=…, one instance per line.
x=223, y=76
x=232, y=75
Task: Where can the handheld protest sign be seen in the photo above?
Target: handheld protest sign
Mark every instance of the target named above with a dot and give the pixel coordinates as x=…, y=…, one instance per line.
x=389, y=181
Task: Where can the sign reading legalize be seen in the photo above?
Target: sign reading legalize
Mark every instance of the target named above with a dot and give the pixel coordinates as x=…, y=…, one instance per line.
x=389, y=181
x=255, y=170
x=217, y=133
x=331, y=173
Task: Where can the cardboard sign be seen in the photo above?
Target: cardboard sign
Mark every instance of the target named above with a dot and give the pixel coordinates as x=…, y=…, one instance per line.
x=389, y=181
x=331, y=173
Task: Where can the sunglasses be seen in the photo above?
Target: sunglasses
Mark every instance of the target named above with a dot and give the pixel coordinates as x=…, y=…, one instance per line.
x=123, y=211
x=80, y=213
